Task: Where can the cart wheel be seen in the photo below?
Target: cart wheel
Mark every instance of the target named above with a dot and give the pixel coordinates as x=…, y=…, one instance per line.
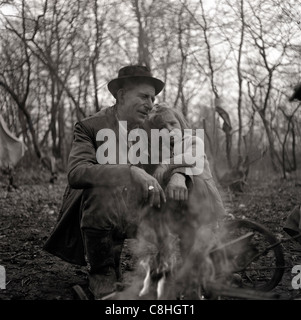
x=255, y=261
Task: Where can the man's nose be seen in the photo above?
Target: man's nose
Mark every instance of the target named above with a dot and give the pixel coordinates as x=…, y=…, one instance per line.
x=150, y=104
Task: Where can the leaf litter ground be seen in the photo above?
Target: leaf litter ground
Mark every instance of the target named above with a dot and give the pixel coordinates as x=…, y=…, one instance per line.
x=29, y=213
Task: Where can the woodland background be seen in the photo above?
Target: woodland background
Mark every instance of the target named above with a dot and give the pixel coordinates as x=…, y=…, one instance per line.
x=230, y=66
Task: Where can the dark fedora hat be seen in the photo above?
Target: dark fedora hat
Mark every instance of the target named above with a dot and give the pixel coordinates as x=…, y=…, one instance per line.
x=134, y=72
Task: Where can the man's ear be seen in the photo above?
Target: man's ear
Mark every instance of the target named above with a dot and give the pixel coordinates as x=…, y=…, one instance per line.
x=120, y=95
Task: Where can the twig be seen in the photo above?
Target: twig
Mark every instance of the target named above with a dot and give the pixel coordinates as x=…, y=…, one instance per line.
x=80, y=292
x=107, y=297
x=15, y=255
x=243, y=293
x=5, y=227
x=234, y=241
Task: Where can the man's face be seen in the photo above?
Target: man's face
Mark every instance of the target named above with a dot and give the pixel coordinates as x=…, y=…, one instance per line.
x=137, y=101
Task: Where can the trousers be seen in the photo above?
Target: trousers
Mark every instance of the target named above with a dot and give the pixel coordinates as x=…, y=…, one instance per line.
x=108, y=217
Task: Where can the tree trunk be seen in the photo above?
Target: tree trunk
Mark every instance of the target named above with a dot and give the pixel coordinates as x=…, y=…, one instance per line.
x=143, y=52
x=273, y=154
x=31, y=130
x=62, y=141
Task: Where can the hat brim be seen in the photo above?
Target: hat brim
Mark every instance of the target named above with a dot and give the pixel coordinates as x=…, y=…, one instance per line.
x=115, y=84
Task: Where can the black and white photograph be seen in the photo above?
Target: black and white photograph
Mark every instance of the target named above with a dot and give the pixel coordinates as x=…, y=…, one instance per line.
x=150, y=152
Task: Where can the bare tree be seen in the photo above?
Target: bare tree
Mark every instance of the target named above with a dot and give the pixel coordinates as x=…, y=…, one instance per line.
x=19, y=89
x=143, y=47
x=260, y=90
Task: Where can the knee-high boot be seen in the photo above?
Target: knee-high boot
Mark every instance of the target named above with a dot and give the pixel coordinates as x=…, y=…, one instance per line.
x=99, y=250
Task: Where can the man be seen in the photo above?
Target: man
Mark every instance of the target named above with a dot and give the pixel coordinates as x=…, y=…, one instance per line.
x=102, y=203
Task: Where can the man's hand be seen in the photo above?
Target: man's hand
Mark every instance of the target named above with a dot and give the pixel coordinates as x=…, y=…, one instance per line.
x=176, y=188
x=156, y=194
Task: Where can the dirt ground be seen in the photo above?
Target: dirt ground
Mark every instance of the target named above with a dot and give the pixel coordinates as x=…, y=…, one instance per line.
x=29, y=212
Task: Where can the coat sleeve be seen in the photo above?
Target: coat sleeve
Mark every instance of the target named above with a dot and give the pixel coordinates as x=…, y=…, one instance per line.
x=191, y=146
x=83, y=169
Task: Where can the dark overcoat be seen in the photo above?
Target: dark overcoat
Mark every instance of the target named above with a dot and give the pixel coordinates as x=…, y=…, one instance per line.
x=65, y=240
